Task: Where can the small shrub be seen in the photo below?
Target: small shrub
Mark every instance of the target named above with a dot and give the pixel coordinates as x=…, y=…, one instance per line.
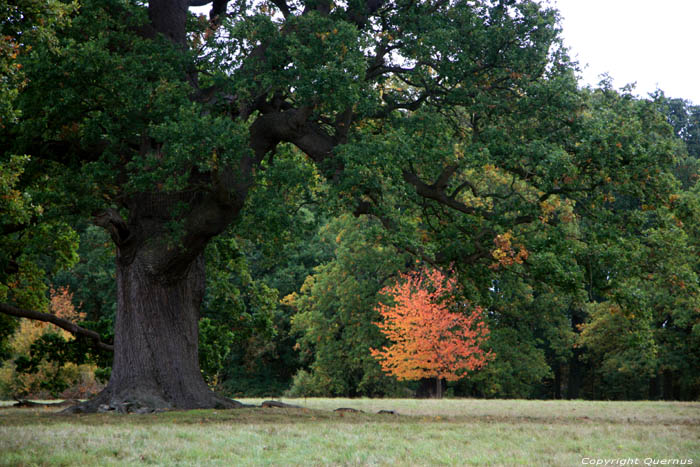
x=304, y=384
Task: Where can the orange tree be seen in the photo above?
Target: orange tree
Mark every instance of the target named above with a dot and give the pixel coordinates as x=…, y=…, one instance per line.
x=433, y=336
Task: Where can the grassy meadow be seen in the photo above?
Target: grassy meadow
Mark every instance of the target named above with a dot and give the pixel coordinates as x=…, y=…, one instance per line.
x=424, y=432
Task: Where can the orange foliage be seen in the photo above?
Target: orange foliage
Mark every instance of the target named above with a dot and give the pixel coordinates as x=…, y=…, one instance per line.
x=62, y=305
x=429, y=340
x=504, y=254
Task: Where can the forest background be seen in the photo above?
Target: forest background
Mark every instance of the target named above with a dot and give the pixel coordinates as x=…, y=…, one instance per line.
x=571, y=216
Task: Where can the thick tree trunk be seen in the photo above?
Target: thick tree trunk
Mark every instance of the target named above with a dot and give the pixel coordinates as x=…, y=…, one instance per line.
x=156, y=363
x=438, y=387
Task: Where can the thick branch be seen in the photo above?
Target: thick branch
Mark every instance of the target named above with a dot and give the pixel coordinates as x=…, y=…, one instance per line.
x=411, y=105
x=111, y=221
x=283, y=7
x=61, y=323
x=435, y=193
x=360, y=16
x=217, y=9
x=464, y=185
x=291, y=126
x=200, y=214
x=444, y=177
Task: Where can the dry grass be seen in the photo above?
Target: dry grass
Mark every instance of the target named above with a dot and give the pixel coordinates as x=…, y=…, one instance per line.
x=428, y=432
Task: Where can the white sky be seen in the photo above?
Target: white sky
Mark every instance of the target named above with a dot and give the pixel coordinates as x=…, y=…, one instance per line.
x=655, y=43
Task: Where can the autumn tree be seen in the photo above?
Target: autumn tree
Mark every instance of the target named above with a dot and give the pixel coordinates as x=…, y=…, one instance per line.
x=432, y=335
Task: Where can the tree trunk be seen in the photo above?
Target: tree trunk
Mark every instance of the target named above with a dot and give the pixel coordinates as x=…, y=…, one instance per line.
x=156, y=362
x=438, y=387
x=576, y=366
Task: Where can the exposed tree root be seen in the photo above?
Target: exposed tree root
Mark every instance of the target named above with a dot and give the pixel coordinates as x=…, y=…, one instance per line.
x=143, y=401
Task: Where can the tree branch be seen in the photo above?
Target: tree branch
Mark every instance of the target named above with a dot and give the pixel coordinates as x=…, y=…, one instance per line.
x=283, y=7
x=464, y=185
x=436, y=194
x=111, y=221
x=61, y=323
x=291, y=126
x=444, y=177
x=359, y=14
x=217, y=9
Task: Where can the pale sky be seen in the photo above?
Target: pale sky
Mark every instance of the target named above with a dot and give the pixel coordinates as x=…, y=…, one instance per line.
x=655, y=43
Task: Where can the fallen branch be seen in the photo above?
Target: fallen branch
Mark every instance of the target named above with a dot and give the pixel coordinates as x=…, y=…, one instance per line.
x=28, y=403
x=348, y=409
x=279, y=405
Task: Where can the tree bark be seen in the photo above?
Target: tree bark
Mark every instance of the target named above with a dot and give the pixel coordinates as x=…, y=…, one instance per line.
x=156, y=362
x=438, y=387
x=576, y=366
x=557, y=381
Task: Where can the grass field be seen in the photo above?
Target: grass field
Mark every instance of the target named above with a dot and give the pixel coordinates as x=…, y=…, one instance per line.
x=425, y=432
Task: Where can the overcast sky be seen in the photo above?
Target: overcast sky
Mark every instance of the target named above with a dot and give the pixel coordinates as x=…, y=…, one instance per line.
x=655, y=43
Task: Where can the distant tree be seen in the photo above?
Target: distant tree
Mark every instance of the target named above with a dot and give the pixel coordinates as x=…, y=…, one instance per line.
x=429, y=339
x=684, y=117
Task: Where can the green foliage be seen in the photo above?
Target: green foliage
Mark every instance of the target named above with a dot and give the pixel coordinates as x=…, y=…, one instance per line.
x=516, y=372
x=571, y=215
x=22, y=24
x=45, y=363
x=335, y=311
x=92, y=278
x=29, y=249
x=215, y=342
x=236, y=307
x=306, y=385
x=685, y=120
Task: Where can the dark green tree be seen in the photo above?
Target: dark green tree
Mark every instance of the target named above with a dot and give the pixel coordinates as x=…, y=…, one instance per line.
x=335, y=312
